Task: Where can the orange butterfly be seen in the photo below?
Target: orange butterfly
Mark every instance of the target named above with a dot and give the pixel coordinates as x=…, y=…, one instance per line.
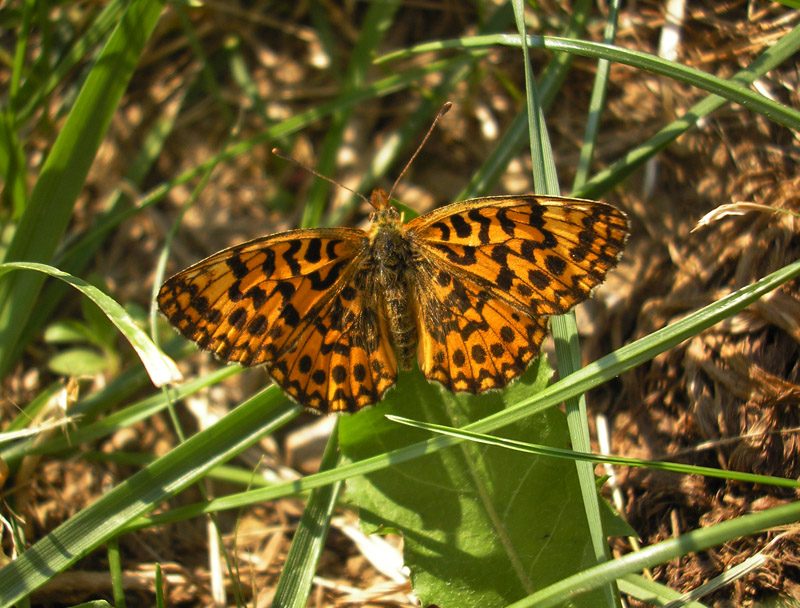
x=465, y=290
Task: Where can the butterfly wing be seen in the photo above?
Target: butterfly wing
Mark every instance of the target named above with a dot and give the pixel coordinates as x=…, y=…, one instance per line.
x=290, y=301
x=502, y=264
x=470, y=340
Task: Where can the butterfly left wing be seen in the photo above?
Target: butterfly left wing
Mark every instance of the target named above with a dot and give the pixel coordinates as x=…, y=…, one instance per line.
x=289, y=301
x=499, y=266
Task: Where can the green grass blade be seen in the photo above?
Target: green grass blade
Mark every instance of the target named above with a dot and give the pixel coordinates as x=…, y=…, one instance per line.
x=125, y=417
x=12, y=168
x=564, y=327
x=376, y=22
x=161, y=369
x=510, y=143
x=50, y=206
x=734, y=89
x=696, y=540
x=294, y=586
x=597, y=101
x=651, y=592
x=44, y=78
x=775, y=55
x=544, y=450
x=142, y=492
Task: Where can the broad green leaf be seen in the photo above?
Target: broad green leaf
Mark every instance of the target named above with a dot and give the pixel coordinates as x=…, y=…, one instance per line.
x=481, y=527
x=79, y=362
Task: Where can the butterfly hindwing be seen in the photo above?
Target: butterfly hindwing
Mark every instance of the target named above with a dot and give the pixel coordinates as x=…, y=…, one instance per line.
x=343, y=360
x=468, y=340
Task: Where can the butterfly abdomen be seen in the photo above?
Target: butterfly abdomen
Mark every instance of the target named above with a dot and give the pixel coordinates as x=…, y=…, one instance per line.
x=392, y=257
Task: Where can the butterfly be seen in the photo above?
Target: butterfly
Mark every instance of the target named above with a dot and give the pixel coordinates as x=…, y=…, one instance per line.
x=465, y=290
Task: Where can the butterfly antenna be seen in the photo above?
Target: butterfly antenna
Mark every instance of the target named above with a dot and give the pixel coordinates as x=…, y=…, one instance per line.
x=279, y=154
x=444, y=110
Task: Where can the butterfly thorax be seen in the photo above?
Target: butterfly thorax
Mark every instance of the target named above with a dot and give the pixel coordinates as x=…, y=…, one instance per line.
x=391, y=261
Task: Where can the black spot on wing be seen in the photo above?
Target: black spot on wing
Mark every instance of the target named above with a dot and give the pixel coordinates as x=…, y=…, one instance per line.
x=313, y=251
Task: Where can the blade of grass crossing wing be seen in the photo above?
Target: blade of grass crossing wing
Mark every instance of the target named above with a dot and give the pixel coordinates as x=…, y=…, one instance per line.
x=49, y=209
x=564, y=328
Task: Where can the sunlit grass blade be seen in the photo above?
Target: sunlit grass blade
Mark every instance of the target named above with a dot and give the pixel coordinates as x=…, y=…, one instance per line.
x=125, y=417
x=299, y=121
x=564, y=327
x=733, y=89
x=696, y=540
x=597, y=101
x=49, y=209
x=44, y=77
x=659, y=465
x=511, y=142
x=161, y=369
x=377, y=20
x=294, y=585
x=651, y=592
x=142, y=492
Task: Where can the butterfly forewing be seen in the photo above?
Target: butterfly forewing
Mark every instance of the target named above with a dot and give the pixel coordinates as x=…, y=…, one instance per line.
x=543, y=254
x=289, y=301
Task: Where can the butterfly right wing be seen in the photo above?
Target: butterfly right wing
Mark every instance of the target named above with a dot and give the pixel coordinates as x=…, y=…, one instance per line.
x=290, y=301
x=492, y=270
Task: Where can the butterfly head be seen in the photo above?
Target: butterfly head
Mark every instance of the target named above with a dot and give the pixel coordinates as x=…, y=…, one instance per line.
x=383, y=211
